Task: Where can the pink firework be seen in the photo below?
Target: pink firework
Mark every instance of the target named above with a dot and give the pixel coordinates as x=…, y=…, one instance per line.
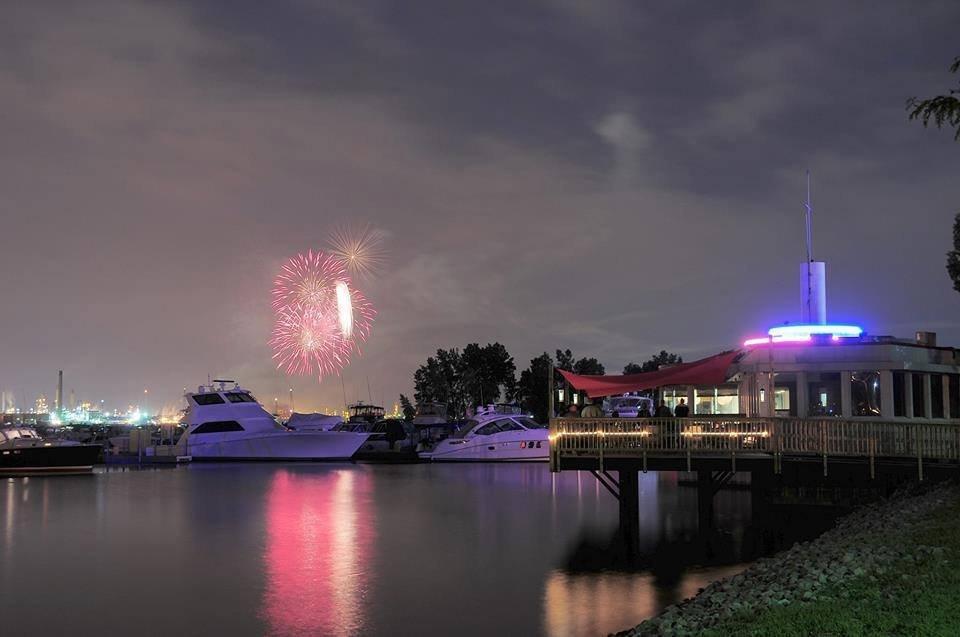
x=308, y=280
x=320, y=317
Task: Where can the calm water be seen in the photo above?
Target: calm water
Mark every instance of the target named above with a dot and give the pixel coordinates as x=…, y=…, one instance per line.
x=249, y=549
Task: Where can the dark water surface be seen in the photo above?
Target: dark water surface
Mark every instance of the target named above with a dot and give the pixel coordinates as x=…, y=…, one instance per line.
x=341, y=549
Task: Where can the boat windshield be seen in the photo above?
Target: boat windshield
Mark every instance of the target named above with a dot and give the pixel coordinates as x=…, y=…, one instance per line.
x=464, y=429
x=530, y=423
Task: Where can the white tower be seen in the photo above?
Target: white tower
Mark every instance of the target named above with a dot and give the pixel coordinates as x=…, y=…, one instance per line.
x=813, y=277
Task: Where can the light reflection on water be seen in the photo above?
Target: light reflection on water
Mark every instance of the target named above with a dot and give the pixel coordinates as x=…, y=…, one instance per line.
x=318, y=542
x=341, y=549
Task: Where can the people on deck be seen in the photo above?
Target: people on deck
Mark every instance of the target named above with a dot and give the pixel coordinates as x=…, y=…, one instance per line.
x=572, y=411
x=681, y=410
x=591, y=410
x=662, y=410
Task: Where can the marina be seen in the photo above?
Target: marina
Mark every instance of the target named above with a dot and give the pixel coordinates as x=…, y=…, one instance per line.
x=375, y=319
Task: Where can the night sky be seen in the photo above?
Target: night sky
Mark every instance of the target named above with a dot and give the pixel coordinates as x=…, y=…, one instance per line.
x=608, y=176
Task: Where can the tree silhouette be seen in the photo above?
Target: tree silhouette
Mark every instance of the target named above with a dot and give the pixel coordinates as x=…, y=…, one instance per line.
x=942, y=109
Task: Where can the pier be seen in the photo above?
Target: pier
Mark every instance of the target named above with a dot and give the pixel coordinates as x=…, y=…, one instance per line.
x=797, y=452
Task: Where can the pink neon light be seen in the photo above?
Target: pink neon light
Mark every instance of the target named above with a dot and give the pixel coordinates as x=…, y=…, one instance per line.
x=778, y=339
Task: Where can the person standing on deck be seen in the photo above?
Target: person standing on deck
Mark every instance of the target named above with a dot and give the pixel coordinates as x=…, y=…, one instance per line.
x=572, y=411
x=591, y=410
x=682, y=411
x=662, y=410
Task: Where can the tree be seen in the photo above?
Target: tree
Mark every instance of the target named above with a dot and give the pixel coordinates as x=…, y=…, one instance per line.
x=953, y=257
x=588, y=367
x=409, y=411
x=488, y=373
x=439, y=381
x=565, y=360
x=532, y=388
x=942, y=109
x=472, y=377
x=654, y=363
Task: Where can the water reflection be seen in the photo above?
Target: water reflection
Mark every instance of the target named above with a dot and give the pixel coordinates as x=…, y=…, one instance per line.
x=319, y=533
x=603, y=603
x=252, y=549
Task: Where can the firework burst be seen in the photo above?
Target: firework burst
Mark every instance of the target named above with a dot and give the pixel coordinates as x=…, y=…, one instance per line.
x=320, y=318
x=360, y=248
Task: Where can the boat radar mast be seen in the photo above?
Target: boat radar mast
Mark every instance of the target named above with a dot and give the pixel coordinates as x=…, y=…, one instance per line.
x=813, y=279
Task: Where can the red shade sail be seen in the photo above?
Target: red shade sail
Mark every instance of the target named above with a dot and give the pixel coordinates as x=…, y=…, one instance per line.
x=706, y=371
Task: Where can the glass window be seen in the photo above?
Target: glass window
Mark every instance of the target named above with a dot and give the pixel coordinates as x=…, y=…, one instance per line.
x=530, y=423
x=207, y=399
x=507, y=424
x=727, y=401
x=240, y=397
x=217, y=426
x=954, y=385
x=936, y=395
x=825, y=395
x=703, y=401
x=899, y=394
x=865, y=393
x=781, y=399
x=487, y=429
x=918, y=411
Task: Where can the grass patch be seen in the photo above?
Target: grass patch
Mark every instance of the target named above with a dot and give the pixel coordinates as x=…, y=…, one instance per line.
x=917, y=594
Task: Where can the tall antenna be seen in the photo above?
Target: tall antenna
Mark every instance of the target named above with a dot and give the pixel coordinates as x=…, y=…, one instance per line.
x=809, y=206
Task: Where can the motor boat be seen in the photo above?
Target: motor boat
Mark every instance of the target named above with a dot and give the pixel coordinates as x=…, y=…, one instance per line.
x=496, y=433
x=23, y=452
x=628, y=406
x=312, y=422
x=391, y=440
x=229, y=424
x=432, y=425
x=362, y=412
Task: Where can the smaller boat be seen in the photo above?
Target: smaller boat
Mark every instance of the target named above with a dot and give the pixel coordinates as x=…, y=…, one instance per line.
x=432, y=426
x=362, y=412
x=497, y=433
x=391, y=440
x=24, y=452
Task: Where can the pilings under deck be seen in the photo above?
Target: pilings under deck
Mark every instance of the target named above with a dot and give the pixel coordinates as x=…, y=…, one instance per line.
x=629, y=498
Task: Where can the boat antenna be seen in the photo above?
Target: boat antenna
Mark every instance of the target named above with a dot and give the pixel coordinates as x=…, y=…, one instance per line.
x=809, y=207
x=344, y=389
x=369, y=393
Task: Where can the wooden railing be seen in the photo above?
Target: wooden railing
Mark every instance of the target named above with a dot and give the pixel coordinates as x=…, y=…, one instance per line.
x=706, y=436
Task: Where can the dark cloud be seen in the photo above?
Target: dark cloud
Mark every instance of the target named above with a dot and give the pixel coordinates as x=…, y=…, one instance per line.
x=613, y=178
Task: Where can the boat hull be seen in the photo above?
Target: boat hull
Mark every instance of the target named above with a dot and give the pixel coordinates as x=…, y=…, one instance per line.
x=511, y=447
x=55, y=459
x=287, y=445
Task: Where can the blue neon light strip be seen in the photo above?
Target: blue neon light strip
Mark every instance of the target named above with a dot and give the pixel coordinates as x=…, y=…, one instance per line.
x=800, y=331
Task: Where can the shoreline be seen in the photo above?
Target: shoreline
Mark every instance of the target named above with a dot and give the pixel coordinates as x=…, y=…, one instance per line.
x=875, y=556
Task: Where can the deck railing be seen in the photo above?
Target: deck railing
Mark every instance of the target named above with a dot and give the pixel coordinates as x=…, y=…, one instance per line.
x=706, y=436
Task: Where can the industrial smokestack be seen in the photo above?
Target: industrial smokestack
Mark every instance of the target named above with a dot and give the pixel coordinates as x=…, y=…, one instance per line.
x=59, y=391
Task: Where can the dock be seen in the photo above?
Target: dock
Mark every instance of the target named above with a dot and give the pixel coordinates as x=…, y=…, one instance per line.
x=775, y=451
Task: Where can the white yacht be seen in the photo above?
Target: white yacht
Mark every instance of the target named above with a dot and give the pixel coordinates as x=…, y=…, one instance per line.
x=229, y=424
x=497, y=433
